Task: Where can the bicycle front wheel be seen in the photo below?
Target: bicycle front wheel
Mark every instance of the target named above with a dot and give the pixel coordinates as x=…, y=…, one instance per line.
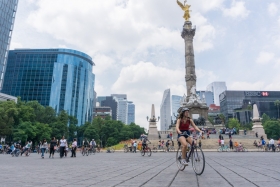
x=198, y=160
x=125, y=150
x=180, y=166
x=142, y=152
x=149, y=152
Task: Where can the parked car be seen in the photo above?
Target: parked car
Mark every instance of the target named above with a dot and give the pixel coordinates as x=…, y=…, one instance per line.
x=229, y=132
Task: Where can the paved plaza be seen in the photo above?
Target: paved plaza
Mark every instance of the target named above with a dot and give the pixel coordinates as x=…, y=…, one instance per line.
x=130, y=169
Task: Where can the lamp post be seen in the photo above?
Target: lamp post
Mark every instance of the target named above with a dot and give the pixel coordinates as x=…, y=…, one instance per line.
x=153, y=119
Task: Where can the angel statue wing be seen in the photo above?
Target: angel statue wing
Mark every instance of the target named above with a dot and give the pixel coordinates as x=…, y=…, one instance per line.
x=180, y=4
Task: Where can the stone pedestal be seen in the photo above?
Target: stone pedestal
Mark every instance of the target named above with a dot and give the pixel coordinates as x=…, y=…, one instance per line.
x=257, y=127
x=153, y=132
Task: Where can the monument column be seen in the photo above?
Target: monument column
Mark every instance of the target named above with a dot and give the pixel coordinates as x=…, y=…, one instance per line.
x=190, y=76
x=153, y=132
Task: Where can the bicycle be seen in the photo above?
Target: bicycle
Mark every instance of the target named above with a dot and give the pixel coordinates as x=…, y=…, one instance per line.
x=196, y=155
x=16, y=152
x=91, y=151
x=146, y=150
x=223, y=148
x=85, y=151
x=110, y=150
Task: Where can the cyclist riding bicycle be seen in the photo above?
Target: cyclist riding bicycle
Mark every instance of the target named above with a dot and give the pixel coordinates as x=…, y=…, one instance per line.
x=182, y=127
x=92, y=144
x=85, y=144
x=144, y=142
x=28, y=146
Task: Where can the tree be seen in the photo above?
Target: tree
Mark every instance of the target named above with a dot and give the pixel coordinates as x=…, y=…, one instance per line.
x=223, y=118
x=90, y=133
x=211, y=120
x=265, y=118
x=233, y=123
x=272, y=129
x=277, y=104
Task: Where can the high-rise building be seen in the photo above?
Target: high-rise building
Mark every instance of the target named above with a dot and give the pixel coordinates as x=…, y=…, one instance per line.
x=5, y=97
x=235, y=104
x=130, y=113
x=165, y=111
x=206, y=96
x=217, y=88
x=60, y=78
x=110, y=102
x=8, y=10
x=121, y=109
x=176, y=103
x=103, y=112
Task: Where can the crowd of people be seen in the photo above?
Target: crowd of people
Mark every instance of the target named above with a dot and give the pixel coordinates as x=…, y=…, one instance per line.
x=61, y=146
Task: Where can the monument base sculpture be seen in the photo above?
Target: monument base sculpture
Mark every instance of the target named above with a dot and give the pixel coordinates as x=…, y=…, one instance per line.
x=257, y=124
x=153, y=131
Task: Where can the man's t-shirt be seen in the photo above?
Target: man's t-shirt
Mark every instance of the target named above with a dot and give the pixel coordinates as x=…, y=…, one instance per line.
x=62, y=143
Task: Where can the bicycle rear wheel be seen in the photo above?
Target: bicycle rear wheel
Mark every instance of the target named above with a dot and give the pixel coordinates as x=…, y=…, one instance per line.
x=149, y=152
x=180, y=166
x=83, y=153
x=198, y=160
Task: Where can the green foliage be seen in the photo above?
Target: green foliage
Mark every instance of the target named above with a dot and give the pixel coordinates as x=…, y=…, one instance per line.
x=265, y=118
x=272, y=129
x=211, y=120
x=233, y=123
x=31, y=121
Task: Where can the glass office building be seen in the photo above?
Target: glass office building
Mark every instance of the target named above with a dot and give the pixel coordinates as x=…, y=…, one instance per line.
x=176, y=103
x=8, y=10
x=165, y=111
x=235, y=104
x=130, y=113
x=60, y=78
x=216, y=88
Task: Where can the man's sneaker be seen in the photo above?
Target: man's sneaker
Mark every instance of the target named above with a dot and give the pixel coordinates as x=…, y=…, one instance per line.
x=184, y=162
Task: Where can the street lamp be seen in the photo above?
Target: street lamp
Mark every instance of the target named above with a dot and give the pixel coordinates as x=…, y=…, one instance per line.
x=153, y=119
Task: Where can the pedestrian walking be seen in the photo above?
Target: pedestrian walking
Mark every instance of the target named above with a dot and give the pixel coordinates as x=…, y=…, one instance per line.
x=134, y=147
x=62, y=145
x=208, y=135
x=74, y=147
x=53, y=145
x=43, y=147
x=257, y=135
x=66, y=150
x=230, y=144
x=222, y=142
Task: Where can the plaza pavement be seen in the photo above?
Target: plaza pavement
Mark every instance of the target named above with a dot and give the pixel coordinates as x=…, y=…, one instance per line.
x=130, y=169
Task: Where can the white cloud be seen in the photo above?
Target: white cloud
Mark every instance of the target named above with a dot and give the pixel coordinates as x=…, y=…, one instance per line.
x=265, y=57
x=273, y=85
x=144, y=84
x=103, y=63
x=237, y=10
x=272, y=9
x=15, y=45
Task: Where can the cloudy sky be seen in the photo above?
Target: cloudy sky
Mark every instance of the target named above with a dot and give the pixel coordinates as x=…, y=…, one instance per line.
x=138, y=49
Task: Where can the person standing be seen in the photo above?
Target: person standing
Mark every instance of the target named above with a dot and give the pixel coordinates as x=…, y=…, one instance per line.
x=43, y=147
x=257, y=135
x=53, y=144
x=222, y=142
x=62, y=146
x=74, y=147
x=134, y=146
x=230, y=144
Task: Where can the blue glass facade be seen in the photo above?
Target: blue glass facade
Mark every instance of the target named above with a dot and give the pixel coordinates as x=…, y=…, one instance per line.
x=7, y=16
x=130, y=112
x=60, y=78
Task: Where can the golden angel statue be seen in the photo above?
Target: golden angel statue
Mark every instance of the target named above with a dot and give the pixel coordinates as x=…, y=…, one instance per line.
x=185, y=8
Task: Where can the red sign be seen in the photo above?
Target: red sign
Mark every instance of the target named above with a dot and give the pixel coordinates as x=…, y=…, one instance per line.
x=265, y=94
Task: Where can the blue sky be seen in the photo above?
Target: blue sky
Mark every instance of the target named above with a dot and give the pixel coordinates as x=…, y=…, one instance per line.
x=138, y=49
